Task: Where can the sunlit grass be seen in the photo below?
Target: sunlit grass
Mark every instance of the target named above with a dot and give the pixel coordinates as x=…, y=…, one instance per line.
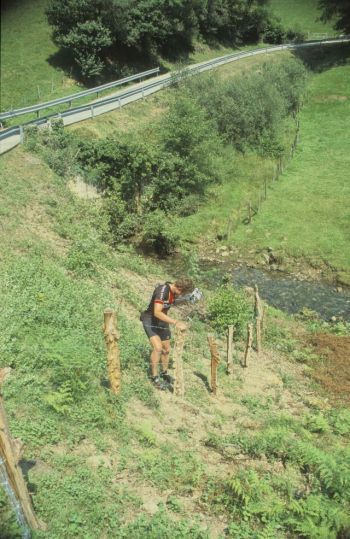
x=301, y=14
x=307, y=211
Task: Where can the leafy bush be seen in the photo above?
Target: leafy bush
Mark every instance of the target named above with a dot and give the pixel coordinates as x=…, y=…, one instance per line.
x=157, y=234
x=229, y=307
x=249, y=110
x=87, y=40
x=56, y=146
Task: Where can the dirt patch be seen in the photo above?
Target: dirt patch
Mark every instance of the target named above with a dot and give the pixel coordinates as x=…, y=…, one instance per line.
x=334, y=373
x=82, y=189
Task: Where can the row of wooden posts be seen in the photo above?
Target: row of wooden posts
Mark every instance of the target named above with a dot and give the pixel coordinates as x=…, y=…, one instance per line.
x=259, y=325
x=11, y=449
x=113, y=355
x=251, y=209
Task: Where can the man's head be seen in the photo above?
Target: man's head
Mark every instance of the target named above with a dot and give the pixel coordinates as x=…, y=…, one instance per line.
x=183, y=286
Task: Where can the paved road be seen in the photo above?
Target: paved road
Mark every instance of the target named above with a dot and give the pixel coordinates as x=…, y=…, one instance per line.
x=13, y=137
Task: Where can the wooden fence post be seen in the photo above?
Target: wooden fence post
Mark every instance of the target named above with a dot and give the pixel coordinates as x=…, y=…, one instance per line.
x=215, y=360
x=258, y=334
x=179, y=386
x=258, y=318
x=248, y=344
x=229, y=349
x=11, y=453
x=113, y=355
x=263, y=321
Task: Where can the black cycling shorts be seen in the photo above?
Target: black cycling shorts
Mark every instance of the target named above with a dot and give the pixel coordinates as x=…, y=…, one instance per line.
x=155, y=327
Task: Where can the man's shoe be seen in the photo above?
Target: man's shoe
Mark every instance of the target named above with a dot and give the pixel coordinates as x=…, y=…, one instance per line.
x=159, y=383
x=166, y=377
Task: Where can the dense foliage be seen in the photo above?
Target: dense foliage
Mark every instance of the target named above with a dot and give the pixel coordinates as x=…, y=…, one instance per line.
x=91, y=29
x=228, y=307
x=145, y=185
x=339, y=11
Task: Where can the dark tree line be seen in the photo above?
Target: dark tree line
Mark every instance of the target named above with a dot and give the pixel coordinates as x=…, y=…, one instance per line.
x=91, y=29
x=339, y=10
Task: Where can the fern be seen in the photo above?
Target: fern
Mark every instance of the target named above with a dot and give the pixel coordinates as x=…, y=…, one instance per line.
x=61, y=400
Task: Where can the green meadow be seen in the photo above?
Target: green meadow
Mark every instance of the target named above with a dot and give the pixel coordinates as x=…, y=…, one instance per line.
x=307, y=211
x=302, y=14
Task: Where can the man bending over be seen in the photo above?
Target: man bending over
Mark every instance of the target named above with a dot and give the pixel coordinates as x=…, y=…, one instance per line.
x=156, y=323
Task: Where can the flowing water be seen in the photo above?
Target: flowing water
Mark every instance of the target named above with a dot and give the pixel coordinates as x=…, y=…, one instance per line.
x=292, y=296
x=16, y=506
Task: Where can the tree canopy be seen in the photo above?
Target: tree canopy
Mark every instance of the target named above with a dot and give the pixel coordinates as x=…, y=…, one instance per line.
x=339, y=10
x=91, y=29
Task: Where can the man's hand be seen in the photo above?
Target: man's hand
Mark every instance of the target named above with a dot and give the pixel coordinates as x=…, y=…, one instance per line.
x=181, y=325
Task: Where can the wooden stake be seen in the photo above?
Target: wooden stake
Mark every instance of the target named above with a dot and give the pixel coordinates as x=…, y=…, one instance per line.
x=258, y=306
x=263, y=321
x=113, y=355
x=179, y=386
x=215, y=360
x=258, y=334
x=229, y=363
x=11, y=453
x=248, y=345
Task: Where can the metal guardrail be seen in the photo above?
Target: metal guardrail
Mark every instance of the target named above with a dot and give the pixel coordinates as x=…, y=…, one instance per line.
x=68, y=99
x=105, y=105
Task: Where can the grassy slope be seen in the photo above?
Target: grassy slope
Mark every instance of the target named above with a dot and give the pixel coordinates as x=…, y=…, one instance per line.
x=26, y=53
x=30, y=60
x=307, y=211
x=302, y=14
x=310, y=197
x=145, y=464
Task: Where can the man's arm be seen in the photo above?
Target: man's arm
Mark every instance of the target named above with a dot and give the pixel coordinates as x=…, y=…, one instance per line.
x=158, y=313
x=162, y=316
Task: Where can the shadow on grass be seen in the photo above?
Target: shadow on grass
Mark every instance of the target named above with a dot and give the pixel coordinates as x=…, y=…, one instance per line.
x=204, y=379
x=119, y=63
x=323, y=57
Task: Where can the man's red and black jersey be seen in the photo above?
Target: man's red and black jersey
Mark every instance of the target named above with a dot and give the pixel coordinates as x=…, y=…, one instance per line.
x=163, y=295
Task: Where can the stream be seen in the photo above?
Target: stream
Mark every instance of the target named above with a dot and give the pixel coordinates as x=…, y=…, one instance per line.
x=290, y=295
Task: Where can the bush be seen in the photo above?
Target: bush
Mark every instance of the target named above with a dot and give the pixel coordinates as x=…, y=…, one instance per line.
x=229, y=307
x=157, y=234
x=274, y=33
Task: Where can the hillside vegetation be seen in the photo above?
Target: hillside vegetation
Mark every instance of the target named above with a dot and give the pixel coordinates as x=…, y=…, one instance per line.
x=266, y=458
x=93, y=217
x=33, y=69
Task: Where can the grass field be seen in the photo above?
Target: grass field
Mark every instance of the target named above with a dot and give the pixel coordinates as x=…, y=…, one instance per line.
x=29, y=70
x=307, y=211
x=302, y=14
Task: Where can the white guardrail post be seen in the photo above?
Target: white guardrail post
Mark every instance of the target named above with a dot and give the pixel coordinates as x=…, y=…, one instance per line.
x=9, y=138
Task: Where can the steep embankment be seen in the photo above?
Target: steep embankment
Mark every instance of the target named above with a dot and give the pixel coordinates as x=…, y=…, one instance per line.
x=261, y=459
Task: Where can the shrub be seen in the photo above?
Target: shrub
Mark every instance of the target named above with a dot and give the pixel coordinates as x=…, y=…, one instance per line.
x=274, y=33
x=229, y=307
x=157, y=234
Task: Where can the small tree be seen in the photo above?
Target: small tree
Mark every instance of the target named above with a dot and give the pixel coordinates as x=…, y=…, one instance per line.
x=87, y=40
x=229, y=307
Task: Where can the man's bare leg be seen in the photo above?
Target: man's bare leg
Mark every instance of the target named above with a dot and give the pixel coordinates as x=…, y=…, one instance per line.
x=164, y=358
x=156, y=353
